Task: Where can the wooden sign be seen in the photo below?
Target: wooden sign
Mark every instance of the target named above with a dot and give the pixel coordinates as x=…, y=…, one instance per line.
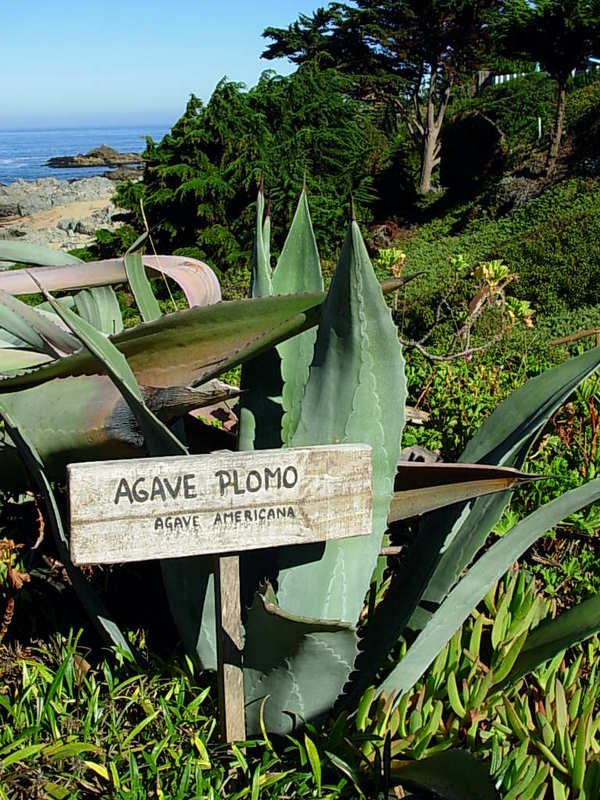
x=142, y=509
x=220, y=503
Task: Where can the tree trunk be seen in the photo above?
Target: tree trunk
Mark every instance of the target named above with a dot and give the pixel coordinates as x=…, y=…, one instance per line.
x=430, y=155
x=428, y=160
x=558, y=127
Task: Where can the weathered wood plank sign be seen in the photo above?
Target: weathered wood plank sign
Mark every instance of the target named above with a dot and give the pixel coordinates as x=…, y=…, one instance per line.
x=225, y=502
x=222, y=503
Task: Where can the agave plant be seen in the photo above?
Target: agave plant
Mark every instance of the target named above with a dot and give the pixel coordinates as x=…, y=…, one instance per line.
x=346, y=384
x=308, y=642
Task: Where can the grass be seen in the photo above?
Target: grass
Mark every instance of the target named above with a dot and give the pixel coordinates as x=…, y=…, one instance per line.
x=72, y=727
x=72, y=730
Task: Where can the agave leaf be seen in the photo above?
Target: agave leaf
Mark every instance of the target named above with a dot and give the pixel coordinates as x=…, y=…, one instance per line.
x=389, y=285
x=198, y=281
x=478, y=581
x=87, y=419
x=66, y=300
x=189, y=584
x=191, y=575
x=46, y=309
x=452, y=775
x=524, y=413
x=266, y=235
x=10, y=340
x=354, y=392
x=158, y=437
x=260, y=409
x=452, y=537
x=24, y=253
x=187, y=581
x=39, y=332
x=83, y=417
x=425, y=487
x=216, y=338
x=101, y=618
x=141, y=288
x=266, y=396
x=357, y=368
x=282, y=655
x=13, y=359
x=298, y=270
x=100, y=307
x=260, y=269
x=64, y=277
x=505, y=438
x=73, y=419
x=553, y=636
x=259, y=415
x=261, y=377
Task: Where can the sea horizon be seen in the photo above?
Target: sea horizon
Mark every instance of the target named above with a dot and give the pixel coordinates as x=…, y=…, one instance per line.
x=25, y=151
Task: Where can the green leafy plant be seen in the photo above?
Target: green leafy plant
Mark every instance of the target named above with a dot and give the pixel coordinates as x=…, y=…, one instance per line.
x=319, y=598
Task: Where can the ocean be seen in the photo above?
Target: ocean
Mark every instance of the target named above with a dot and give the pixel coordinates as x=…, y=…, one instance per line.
x=23, y=153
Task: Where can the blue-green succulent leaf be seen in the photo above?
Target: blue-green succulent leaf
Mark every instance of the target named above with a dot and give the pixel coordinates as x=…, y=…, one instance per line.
x=298, y=270
x=25, y=253
x=100, y=307
x=299, y=663
x=99, y=615
x=141, y=287
x=355, y=393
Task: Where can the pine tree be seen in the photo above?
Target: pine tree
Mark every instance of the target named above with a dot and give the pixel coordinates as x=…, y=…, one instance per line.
x=200, y=181
x=559, y=35
x=411, y=53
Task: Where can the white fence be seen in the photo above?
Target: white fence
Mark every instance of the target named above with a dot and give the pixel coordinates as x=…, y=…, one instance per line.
x=487, y=78
x=498, y=79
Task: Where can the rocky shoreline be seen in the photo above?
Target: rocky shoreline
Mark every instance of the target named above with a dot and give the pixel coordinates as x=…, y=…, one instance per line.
x=57, y=213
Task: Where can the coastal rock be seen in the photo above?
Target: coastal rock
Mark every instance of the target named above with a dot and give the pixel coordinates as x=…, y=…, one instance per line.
x=55, y=213
x=31, y=197
x=9, y=209
x=124, y=174
x=103, y=156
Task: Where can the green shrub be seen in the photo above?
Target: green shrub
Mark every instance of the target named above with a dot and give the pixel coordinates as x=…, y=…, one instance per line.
x=552, y=242
x=200, y=179
x=515, y=107
x=584, y=100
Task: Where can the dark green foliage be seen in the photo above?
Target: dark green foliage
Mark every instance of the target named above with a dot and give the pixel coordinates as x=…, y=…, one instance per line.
x=473, y=153
x=515, y=107
x=110, y=244
x=559, y=263
x=559, y=35
x=200, y=180
x=408, y=53
x=459, y=396
x=582, y=105
x=395, y=180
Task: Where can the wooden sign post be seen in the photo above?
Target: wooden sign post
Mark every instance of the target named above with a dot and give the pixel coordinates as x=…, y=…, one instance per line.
x=220, y=504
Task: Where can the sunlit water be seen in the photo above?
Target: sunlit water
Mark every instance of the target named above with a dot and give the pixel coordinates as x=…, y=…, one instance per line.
x=23, y=153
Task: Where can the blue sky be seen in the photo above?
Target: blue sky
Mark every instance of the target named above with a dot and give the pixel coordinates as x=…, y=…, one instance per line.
x=130, y=62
